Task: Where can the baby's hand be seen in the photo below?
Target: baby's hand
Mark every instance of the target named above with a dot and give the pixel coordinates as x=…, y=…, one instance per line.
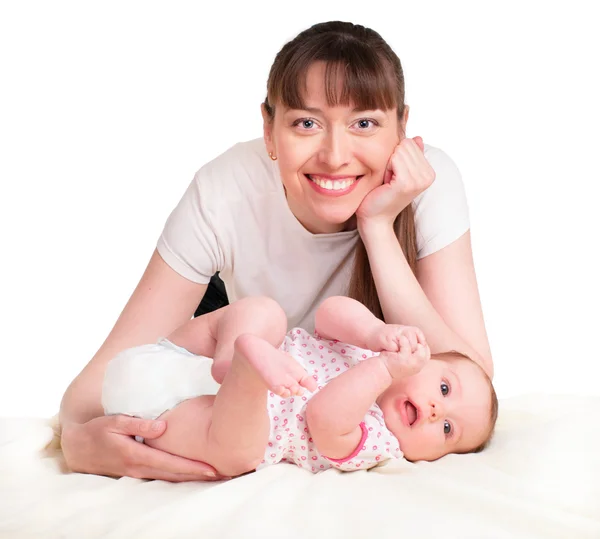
x=406, y=350
x=386, y=338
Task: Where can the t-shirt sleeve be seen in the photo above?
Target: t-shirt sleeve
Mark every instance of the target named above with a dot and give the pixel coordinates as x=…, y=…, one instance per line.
x=377, y=444
x=189, y=242
x=441, y=212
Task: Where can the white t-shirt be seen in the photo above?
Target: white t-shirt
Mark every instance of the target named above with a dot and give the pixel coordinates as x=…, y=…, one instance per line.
x=234, y=219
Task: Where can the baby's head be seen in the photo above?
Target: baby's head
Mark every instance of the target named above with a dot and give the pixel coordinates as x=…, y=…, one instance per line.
x=448, y=407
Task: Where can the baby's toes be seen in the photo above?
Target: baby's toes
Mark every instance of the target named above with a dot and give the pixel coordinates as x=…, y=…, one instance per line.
x=282, y=391
x=295, y=390
x=308, y=382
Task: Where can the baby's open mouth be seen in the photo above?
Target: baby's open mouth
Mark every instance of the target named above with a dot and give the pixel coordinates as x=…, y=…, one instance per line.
x=411, y=412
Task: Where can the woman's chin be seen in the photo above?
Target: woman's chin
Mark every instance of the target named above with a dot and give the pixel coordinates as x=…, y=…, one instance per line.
x=338, y=220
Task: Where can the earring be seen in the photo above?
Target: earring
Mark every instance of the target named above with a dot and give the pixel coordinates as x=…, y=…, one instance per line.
x=273, y=157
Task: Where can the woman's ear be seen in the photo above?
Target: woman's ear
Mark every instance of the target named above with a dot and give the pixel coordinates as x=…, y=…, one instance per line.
x=403, y=122
x=267, y=128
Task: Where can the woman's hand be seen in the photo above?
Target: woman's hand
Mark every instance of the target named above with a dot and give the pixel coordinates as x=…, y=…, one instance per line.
x=407, y=174
x=104, y=446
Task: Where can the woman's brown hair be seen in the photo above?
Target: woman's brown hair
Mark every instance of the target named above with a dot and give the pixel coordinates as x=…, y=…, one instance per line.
x=372, y=79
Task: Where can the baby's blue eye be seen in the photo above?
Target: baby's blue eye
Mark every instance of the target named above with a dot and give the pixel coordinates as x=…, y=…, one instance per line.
x=445, y=389
x=307, y=123
x=447, y=427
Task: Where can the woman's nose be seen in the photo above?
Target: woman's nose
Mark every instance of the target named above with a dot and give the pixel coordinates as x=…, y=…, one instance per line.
x=335, y=150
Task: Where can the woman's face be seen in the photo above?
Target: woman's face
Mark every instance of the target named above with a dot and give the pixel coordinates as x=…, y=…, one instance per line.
x=329, y=158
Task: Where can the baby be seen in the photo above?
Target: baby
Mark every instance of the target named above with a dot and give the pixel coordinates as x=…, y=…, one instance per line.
x=373, y=391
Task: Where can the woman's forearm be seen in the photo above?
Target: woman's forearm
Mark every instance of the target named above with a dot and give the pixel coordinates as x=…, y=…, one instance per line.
x=401, y=296
x=82, y=399
x=162, y=301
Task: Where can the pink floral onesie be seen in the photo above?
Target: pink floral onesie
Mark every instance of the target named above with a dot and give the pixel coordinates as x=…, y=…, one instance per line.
x=289, y=439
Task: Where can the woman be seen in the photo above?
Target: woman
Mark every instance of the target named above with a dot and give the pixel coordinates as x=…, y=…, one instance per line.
x=334, y=200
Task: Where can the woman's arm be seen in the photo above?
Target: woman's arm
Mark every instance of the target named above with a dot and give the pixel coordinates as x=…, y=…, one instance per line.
x=447, y=277
x=442, y=300
x=162, y=301
x=91, y=443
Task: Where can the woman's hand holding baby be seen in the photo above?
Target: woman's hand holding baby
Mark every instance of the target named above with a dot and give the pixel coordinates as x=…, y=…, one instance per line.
x=404, y=350
x=104, y=446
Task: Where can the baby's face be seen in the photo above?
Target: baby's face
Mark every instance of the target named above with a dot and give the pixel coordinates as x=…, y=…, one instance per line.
x=443, y=409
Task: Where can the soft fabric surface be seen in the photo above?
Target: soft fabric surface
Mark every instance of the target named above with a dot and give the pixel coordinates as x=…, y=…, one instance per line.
x=540, y=478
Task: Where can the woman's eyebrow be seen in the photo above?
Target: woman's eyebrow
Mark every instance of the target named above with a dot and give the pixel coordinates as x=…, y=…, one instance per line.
x=315, y=110
x=312, y=110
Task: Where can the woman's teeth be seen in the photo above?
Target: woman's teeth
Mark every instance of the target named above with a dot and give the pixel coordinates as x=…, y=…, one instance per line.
x=332, y=185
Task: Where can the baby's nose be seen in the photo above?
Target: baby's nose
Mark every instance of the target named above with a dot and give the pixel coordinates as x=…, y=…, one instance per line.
x=436, y=410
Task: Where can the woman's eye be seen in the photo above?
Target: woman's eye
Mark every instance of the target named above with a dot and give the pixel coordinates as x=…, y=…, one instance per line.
x=365, y=123
x=445, y=389
x=306, y=123
x=447, y=428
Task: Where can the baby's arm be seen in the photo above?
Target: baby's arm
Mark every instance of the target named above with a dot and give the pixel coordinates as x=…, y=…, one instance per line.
x=335, y=413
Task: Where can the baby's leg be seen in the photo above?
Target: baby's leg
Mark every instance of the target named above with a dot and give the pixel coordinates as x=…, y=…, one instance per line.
x=214, y=334
x=231, y=432
x=260, y=316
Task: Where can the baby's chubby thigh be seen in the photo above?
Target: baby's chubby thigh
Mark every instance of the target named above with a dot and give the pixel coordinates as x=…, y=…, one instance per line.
x=188, y=425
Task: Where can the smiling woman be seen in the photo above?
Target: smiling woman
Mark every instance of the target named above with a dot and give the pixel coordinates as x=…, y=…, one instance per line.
x=331, y=155
x=334, y=200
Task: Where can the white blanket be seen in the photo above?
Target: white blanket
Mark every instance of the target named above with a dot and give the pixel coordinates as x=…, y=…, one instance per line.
x=540, y=478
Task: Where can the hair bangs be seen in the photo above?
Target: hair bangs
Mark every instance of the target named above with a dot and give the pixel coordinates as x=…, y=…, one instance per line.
x=354, y=75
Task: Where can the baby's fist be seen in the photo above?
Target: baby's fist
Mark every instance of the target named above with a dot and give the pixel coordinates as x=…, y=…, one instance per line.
x=386, y=338
x=406, y=362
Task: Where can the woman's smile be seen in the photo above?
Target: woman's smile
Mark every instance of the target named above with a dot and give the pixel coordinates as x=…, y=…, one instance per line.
x=335, y=186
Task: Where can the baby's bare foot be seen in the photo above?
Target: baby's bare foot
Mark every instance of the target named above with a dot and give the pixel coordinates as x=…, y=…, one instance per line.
x=282, y=374
x=219, y=370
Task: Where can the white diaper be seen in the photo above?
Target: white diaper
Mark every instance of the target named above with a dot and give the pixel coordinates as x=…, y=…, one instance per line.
x=148, y=380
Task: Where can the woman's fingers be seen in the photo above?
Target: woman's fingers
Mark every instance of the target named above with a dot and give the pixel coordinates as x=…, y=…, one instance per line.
x=105, y=446
x=134, y=426
x=420, y=173
x=400, y=171
x=164, y=466
x=419, y=143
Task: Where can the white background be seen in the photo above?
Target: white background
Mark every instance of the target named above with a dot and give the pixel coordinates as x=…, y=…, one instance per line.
x=107, y=110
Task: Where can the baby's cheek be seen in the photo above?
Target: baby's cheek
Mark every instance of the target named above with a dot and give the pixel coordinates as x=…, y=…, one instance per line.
x=418, y=445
